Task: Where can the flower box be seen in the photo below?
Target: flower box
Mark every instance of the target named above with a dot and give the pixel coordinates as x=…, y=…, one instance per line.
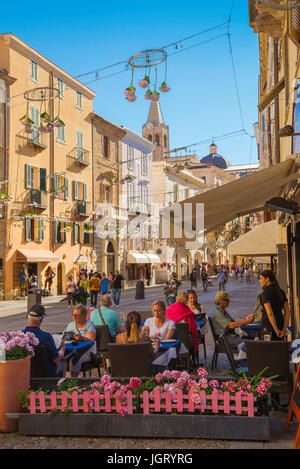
x=174, y=403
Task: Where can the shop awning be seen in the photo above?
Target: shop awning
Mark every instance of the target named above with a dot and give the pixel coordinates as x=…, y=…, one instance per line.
x=137, y=258
x=153, y=258
x=36, y=255
x=80, y=260
x=240, y=197
x=260, y=241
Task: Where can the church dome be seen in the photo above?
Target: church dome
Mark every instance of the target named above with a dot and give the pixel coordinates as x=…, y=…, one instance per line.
x=214, y=159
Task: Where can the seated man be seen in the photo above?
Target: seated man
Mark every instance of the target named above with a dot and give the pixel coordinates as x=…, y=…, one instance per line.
x=106, y=315
x=222, y=321
x=52, y=355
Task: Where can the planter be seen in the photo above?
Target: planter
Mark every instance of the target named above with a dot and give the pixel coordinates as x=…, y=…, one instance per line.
x=158, y=426
x=1, y=297
x=14, y=377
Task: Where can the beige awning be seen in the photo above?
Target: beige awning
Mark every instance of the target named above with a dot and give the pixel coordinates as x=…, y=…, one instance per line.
x=36, y=255
x=248, y=194
x=153, y=258
x=260, y=241
x=137, y=258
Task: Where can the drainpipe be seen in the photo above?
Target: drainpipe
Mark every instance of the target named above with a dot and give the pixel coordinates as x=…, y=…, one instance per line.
x=276, y=105
x=51, y=151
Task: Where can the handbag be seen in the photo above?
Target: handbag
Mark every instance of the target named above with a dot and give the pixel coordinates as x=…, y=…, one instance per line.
x=104, y=323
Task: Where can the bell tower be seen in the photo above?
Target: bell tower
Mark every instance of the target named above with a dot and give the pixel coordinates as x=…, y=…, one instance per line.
x=156, y=131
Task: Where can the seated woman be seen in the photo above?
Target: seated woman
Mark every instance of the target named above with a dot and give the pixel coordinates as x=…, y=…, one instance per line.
x=159, y=326
x=180, y=312
x=84, y=330
x=132, y=334
x=197, y=309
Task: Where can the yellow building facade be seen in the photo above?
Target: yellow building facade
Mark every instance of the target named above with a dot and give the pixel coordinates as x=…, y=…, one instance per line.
x=48, y=218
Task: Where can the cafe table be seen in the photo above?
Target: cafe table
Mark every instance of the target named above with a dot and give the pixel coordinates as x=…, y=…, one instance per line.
x=75, y=352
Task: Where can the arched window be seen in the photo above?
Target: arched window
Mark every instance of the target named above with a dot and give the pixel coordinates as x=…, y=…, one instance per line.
x=156, y=139
x=150, y=138
x=165, y=141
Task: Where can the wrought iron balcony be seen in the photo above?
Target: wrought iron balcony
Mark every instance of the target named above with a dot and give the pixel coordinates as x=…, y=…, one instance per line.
x=37, y=199
x=82, y=208
x=78, y=157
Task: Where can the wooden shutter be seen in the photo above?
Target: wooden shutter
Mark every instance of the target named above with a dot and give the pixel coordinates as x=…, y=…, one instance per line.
x=43, y=174
x=294, y=21
x=28, y=229
x=41, y=229
x=75, y=232
x=75, y=190
x=66, y=184
x=28, y=179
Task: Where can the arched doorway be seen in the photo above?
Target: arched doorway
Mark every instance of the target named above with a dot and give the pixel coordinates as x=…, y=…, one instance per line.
x=110, y=257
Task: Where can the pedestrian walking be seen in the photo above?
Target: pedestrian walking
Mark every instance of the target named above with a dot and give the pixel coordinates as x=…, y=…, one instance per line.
x=23, y=277
x=193, y=279
x=71, y=291
x=94, y=289
x=171, y=289
x=221, y=280
x=83, y=288
x=49, y=275
x=118, y=285
x=204, y=279
x=104, y=284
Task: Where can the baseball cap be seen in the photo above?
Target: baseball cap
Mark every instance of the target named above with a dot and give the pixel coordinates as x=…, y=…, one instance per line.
x=222, y=295
x=37, y=311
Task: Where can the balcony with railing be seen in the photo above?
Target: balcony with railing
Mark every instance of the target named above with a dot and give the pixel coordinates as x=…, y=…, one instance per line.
x=78, y=158
x=30, y=144
x=265, y=19
x=37, y=199
x=82, y=208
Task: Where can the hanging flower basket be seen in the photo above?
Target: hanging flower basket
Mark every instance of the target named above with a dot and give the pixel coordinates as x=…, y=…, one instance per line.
x=45, y=117
x=148, y=95
x=154, y=96
x=57, y=122
x=166, y=169
x=130, y=94
x=144, y=83
x=164, y=87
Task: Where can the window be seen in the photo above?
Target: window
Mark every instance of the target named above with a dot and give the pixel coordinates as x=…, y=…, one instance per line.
x=60, y=87
x=86, y=234
x=150, y=138
x=165, y=141
x=78, y=100
x=79, y=191
x=144, y=164
x=130, y=157
x=79, y=146
x=41, y=228
x=60, y=134
x=29, y=176
x=156, y=139
x=59, y=233
x=43, y=175
x=33, y=71
x=296, y=116
x=105, y=147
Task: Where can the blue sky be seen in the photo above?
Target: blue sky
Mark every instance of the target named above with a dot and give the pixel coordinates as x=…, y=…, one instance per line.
x=202, y=103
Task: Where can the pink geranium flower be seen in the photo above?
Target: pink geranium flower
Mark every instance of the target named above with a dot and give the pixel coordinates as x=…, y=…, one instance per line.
x=134, y=383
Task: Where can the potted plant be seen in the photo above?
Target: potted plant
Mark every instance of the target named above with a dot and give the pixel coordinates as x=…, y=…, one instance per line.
x=16, y=350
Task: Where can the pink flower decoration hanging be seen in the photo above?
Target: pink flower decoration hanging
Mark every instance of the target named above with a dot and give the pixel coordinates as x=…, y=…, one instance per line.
x=164, y=87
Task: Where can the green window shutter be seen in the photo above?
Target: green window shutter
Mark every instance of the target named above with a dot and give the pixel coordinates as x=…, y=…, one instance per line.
x=28, y=179
x=75, y=233
x=41, y=229
x=66, y=184
x=75, y=190
x=56, y=227
x=28, y=229
x=84, y=192
x=55, y=183
x=63, y=234
x=43, y=174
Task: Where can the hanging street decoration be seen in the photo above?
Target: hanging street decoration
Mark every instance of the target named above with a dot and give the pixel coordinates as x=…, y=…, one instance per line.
x=43, y=124
x=146, y=60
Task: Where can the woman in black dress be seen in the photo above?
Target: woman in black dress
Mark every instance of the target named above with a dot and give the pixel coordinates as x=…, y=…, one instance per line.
x=275, y=307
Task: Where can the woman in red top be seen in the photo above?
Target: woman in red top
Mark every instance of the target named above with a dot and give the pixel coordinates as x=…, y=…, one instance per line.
x=179, y=312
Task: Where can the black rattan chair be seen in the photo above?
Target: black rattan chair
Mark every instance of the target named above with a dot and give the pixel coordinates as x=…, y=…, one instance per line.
x=131, y=359
x=219, y=348
x=235, y=365
x=38, y=364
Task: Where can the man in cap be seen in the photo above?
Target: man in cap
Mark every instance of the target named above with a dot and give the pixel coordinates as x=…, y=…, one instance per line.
x=223, y=322
x=53, y=356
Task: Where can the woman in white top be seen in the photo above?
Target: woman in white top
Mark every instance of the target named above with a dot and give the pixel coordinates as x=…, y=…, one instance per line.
x=159, y=326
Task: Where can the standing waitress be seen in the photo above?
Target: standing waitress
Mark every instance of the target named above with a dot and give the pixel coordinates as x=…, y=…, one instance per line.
x=275, y=307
